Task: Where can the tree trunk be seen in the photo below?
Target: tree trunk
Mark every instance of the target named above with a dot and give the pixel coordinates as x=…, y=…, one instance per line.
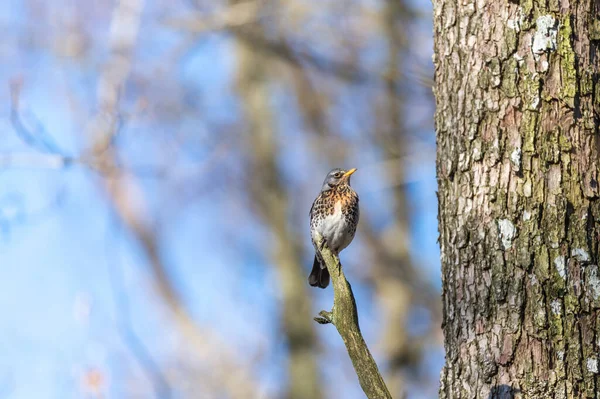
x=517, y=124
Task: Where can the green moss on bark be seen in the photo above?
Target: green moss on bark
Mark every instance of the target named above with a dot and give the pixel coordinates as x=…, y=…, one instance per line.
x=568, y=70
x=521, y=309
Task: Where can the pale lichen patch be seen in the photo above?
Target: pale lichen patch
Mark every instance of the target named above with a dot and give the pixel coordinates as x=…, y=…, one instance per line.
x=592, y=365
x=477, y=152
x=534, y=281
x=594, y=283
x=515, y=158
x=544, y=39
x=516, y=22
x=535, y=103
x=526, y=215
x=527, y=188
x=471, y=40
x=513, y=24
x=556, y=306
x=580, y=254
x=559, y=263
x=507, y=232
x=520, y=60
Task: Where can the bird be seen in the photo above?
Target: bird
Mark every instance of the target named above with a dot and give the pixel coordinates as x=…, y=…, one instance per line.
x=334, y=215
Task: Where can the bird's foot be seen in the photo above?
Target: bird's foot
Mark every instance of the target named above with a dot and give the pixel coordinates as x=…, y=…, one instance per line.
x=323, y=244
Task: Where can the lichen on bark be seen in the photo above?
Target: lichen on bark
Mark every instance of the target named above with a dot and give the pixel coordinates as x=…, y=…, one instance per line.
x=518, y=138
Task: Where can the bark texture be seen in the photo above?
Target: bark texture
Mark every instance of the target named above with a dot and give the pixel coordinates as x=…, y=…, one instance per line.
x=517, y=131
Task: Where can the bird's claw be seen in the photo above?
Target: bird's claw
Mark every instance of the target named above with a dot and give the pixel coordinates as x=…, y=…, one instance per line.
x=323, y=244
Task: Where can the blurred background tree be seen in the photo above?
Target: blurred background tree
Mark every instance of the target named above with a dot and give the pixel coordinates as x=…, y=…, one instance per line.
x=158, y=163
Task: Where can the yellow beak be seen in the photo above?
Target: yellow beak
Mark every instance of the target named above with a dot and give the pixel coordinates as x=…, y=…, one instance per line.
x=349, y=173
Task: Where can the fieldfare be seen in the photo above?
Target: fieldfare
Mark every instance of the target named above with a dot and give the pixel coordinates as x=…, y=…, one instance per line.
x=334, y=215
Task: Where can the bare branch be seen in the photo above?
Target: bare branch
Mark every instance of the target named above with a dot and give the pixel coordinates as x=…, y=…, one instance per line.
x=344, y=317
x=272, y=201
x=37, y=138
x=233, y=16
x=133, y=342
x=297, y=55
x=129, y=202
x=34, y=160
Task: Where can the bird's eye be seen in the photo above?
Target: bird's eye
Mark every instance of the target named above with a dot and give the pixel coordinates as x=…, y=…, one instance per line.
x=337, y=175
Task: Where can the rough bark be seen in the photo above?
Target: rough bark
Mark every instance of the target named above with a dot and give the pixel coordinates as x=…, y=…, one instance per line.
x=517, y=131
x=344, y=317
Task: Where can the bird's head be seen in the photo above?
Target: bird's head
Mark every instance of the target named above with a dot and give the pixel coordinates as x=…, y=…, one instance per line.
x=336, y=178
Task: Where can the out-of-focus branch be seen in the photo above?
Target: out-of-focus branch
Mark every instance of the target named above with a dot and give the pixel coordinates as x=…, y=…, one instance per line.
x=34, y=160
x=128, y=202
x=399, y=285
x=310, y=101
x=271, y=199
x=344, y=317
x=162, y=387
x=47, y=154
x=36, y=138
x=127, y=198
x=295, y=54
x=234, y=15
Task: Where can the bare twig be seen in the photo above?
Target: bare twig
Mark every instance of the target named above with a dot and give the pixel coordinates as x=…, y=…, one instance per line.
x=127, y=198
x=234, y=15
x=344, y=317
x=37, y=138
x=34, y=160
x=272, y=201
x=296, y=54
x=156, y=375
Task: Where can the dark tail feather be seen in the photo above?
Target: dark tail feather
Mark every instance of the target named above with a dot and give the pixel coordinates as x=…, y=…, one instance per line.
x=318, y=277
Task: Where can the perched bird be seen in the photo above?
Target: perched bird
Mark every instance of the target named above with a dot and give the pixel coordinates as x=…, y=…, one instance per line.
x=334, y=215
